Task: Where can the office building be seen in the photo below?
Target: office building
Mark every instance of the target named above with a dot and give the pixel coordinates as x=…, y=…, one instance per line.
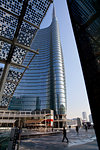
x=84, y=115
x=90, y=118
x=43, y=84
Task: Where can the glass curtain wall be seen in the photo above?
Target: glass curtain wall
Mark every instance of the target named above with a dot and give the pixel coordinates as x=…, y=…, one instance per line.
x=43, y=84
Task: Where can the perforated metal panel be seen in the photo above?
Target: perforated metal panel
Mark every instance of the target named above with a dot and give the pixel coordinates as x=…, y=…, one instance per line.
x=8, y=24
x=4, y=51
x=18, y=55
x=18, y=26
x=26, y=33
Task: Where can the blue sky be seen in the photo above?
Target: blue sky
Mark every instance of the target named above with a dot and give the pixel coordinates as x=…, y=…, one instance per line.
x=77, y=100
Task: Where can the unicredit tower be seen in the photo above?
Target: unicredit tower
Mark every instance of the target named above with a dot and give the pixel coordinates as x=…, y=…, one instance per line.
x=43, y=84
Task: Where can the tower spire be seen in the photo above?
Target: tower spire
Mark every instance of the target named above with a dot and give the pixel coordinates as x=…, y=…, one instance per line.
x=54, y=12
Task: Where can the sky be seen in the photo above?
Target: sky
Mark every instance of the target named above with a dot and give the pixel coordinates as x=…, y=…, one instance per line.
x=77, y=100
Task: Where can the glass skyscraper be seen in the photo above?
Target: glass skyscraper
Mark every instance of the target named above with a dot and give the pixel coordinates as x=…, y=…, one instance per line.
x=43, y=84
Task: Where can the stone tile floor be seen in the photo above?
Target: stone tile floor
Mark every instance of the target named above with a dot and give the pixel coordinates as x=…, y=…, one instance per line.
x=54, y=142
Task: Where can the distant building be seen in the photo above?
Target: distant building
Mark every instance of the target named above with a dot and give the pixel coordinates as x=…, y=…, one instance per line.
x=84, y=115
x=79, y=122
x=72, y=122
x=90, y=118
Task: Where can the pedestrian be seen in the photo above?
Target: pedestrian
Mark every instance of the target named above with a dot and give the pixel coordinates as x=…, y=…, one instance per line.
x=64, y=135
x=86, y=128
x=52, y=129
x=77, y=130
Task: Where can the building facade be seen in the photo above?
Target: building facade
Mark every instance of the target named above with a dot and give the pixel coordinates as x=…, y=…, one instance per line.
x=84, y=115
x=43, y=84
x=43, y=118
x=85, y=18
x=90, y=118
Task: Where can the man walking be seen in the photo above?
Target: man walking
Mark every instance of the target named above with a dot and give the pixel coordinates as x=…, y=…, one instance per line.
x=77, y=130
x=86, y=127
x=64, y=135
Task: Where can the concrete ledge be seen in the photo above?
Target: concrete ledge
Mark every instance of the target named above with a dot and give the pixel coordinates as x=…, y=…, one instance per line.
x=32, y=135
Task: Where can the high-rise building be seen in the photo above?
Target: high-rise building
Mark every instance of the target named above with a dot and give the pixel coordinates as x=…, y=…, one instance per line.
x=90, y=118
x=43, y=84
x=84, y=116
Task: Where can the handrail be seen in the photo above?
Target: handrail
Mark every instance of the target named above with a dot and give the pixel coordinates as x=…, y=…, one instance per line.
x=4, y=139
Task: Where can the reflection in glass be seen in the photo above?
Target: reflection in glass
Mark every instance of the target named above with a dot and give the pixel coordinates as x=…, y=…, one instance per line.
x=43, y=84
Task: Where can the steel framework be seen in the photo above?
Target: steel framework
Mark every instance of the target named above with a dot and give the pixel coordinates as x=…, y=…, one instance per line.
x=19, y=22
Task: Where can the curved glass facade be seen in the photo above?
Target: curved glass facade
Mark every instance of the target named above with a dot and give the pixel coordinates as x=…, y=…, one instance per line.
x=43, y=84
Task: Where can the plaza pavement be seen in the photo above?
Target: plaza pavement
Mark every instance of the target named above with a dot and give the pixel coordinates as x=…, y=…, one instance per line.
x=87, y=146
x=83, y=141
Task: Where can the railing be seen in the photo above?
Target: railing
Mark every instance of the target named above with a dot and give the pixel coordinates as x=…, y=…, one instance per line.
x=4, y=139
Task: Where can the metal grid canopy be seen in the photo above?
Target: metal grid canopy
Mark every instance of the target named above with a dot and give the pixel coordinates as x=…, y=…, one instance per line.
x=85, y=17
x=19, y=22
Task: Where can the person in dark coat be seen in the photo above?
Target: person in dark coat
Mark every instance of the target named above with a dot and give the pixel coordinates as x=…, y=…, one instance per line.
x=86, y=128
x=77, y=130
x=64, y=135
